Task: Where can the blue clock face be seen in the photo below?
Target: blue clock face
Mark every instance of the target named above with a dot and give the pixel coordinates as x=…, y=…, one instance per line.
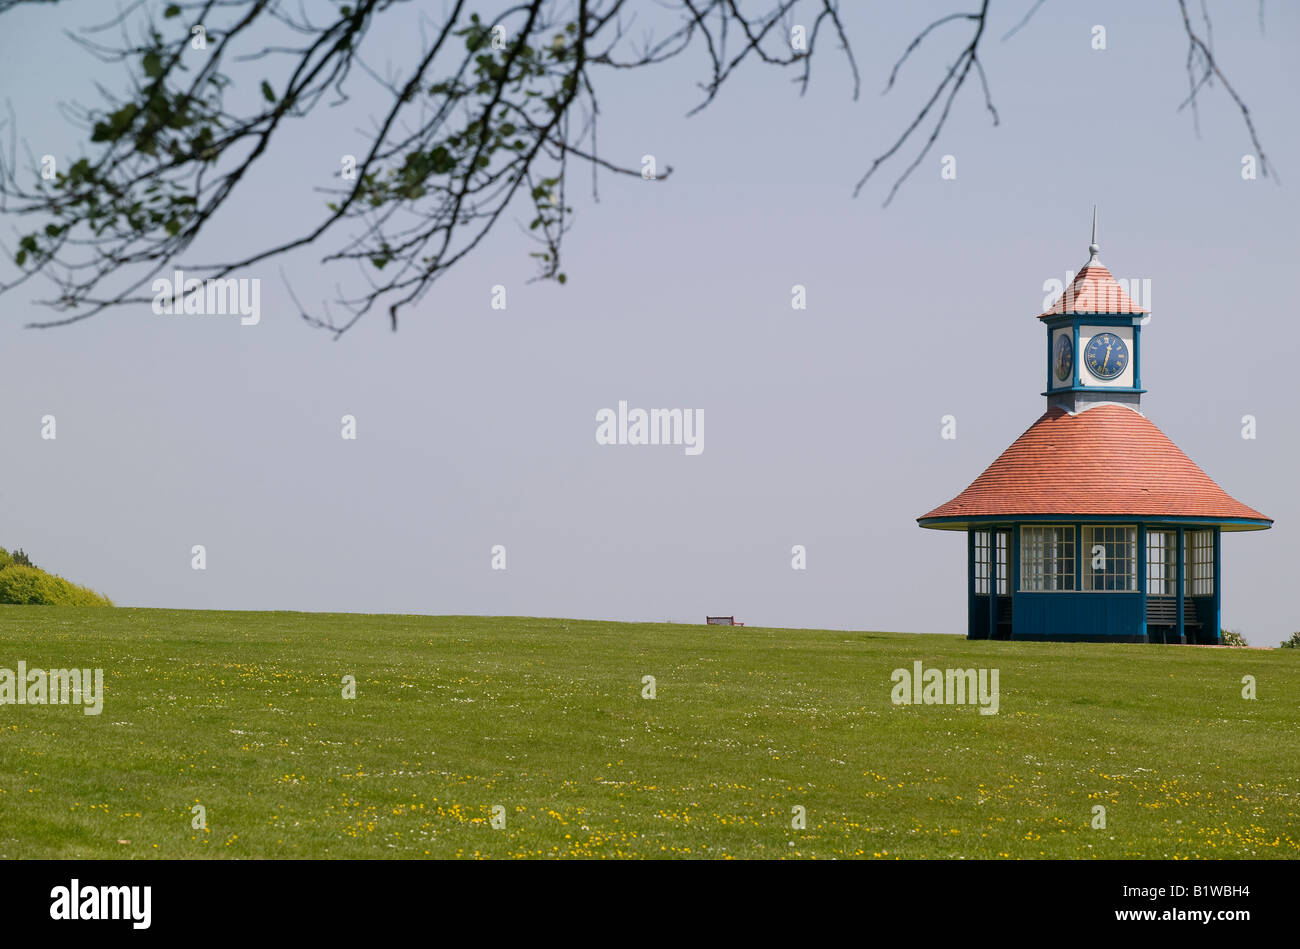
x=1106, y=356
x=1063, y=357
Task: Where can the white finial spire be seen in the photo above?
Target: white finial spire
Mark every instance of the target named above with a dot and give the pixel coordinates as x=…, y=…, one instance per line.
x=1093, y=249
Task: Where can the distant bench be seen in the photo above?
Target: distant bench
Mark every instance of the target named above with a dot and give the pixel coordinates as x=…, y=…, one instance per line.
x=1163, y=611
x=722, y=621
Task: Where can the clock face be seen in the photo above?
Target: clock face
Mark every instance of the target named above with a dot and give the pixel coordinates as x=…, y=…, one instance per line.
x=1063, y=357
x=1106, y=356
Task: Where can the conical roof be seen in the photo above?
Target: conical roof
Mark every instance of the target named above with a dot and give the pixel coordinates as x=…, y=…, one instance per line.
x=1093, y=291
x=1107, y=460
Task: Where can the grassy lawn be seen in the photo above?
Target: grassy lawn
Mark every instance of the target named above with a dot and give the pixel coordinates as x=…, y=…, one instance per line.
x=243, y=713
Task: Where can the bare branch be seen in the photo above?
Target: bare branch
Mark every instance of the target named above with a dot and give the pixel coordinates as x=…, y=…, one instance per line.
x=1200, y=56
x=952, y=80
x=1025, y=19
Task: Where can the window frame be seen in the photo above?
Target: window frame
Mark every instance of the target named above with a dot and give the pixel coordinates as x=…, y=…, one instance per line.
x=1030, y=545
x=1168, y=562
x=1198, y=563
x=981, y=561
x=1002, y=562
x=1089, y=539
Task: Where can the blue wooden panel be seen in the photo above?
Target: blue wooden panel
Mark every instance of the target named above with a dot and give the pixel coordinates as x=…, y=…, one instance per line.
x=1078, y=616
x=1218, y=588
x=1209, y=617
x=979, y=618
x=1141, y=555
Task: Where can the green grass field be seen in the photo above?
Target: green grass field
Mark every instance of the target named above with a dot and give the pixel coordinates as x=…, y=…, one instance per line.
x=243, y=713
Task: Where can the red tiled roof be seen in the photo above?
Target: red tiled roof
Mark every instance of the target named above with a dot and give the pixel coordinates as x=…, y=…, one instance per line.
x=1106, y=460
x=1093, y=290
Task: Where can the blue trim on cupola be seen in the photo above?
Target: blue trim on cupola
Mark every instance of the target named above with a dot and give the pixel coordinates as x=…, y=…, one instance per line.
x=1075, y=343
x=1096, y=388
x=1101, y=319
x=1137, y=357
x=1059, y=321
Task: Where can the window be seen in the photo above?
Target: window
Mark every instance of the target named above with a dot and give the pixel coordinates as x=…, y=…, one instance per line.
x=1001, y=562
x=1110, y=558
x=1046, y=558
x=1162, y=563
x=981, y=563
x=1198, y=563
x=990, y=563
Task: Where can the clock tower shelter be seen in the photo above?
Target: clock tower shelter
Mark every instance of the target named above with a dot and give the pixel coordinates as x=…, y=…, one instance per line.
x=1093, y=526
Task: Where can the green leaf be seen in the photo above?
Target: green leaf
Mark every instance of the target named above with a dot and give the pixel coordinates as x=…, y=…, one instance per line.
x=442, y=160
x=152, y=63
x=20, y=258
x=267, y=93
x=172, y=11
x=561, y=277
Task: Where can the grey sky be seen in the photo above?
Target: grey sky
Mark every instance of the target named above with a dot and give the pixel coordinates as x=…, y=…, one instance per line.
x=476, y=426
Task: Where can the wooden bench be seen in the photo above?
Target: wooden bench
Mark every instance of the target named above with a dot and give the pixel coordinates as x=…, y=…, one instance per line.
x=1163, y=611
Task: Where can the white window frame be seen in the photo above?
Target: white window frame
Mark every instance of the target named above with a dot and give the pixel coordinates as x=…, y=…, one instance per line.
x=1162, y=572
x=1002, y=560
x=1198, y=563
x=1036, y=540
x=982, y=562
x=1120, y=546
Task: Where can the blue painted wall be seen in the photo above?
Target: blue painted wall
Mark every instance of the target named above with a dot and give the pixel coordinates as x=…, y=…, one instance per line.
x=1078, y=616
x=1083, y=616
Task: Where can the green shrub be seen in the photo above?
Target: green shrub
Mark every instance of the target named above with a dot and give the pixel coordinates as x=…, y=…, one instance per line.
x=1293, y=642
x=20, y=584
x=15, y=556
x=1231, y=637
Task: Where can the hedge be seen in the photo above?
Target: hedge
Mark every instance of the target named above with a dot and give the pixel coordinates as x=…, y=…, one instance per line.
x=31, y=585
